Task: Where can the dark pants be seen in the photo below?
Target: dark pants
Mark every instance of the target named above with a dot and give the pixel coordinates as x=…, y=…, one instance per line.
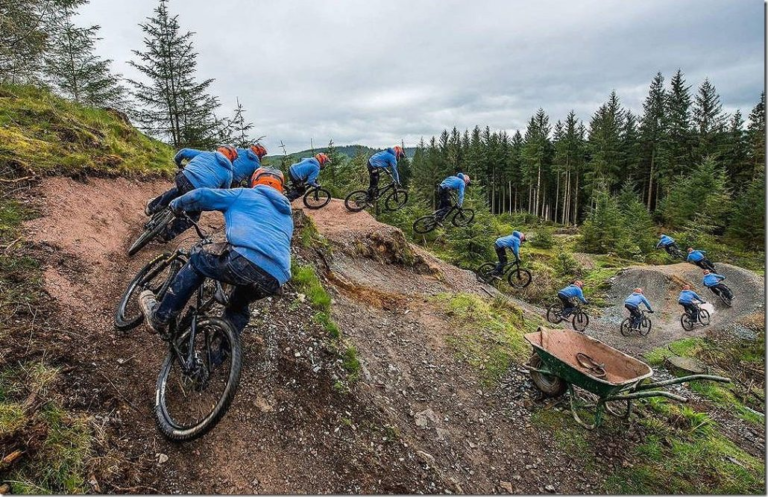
x=373, y=181
x=567, y=304
x=705, y=264
x=297, y=189
x=252, y=283
x=444, y=197
x=181, y=224
x=721, y=288
x=671, y=246
x=637, y=316
x=693, y=310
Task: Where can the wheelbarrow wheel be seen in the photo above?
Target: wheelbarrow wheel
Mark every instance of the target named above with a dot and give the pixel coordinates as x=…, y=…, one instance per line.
x=550, y=385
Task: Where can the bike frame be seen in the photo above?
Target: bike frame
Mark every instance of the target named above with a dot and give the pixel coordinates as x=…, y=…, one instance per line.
x=639, y=324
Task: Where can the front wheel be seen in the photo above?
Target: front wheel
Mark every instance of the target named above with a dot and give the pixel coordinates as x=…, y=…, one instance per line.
x=463, y=217
x=580, y=321
x=519, y=278
x=425, y=224
x=554, y=314
x=726, y=299
x=645, y=326
x=626, y=327
x=317, y=198
x=704, y=317
x=396, y=200
x=153, y=277
x=189, y=403
x=152, y=228
x=357, y=200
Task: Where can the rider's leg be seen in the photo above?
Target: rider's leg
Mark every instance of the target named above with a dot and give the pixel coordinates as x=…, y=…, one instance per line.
x=255, y=284
x=722, y=288
x=182, y=186
x=298, y=188
x=635, y=313
x=373, y=181
x=692, y=310
x=567, y=305
x=444, y=196
x=501, y=252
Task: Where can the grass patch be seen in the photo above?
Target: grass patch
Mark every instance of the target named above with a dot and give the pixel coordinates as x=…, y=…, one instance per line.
x=488, y=334
x=306, y=280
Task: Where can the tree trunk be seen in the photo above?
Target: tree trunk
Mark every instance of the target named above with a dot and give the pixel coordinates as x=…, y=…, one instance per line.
x=576, y=202
x=557, y=198
x=650, y=179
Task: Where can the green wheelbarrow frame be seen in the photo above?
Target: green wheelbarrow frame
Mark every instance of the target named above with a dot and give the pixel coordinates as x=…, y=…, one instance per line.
x=622, y=391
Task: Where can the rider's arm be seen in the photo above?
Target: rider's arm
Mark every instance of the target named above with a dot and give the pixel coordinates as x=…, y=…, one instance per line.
x=186, y=154
x=461, y=194
x=696, y=296
x=580, y=295
x=393, y=166
x=206, y=199
x=312, y=178
x=516, y=250
x=647, y=304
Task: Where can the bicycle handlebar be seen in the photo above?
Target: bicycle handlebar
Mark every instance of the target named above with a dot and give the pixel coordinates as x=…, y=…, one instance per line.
x=202, y=234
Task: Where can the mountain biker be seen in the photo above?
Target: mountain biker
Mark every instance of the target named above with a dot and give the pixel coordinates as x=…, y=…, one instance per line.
x=305, y=172
x=385, y=159
x=697, y=257
x=632, y=303
x=667, y=243
x=204, y=170
x=256, y=257
x=511, y=242
x=688, y=299
x=451, y=183
x=567, y=294
x=712, y=281
x=248, y=160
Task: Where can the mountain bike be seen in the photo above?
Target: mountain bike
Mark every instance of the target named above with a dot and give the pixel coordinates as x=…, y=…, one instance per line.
x=461, y=217
x=676, y=252
x=726, y=298
x=516, y=276
x=579, y=318
x=641, y=326
x=395, y=197
x=316, y=197
x=705, y=264
x=152, y=228
x=687, y=321
x=201, y=371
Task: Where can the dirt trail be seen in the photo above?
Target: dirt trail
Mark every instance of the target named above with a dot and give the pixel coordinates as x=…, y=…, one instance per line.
x=419, y=420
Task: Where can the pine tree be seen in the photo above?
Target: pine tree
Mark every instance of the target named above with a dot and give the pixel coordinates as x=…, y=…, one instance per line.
x=747, y=224
x=734, y=151
x=568, y=161
x=699, y=201
x=77, y=72
x=653, y=129
x=679, y=144
x=756, y=139
x=174, y=105
x=537, y=159
x=708, y=119
x=605, y=140
x=237, y=130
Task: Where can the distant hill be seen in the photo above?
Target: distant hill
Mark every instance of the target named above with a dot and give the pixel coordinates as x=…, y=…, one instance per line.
x=348, y=150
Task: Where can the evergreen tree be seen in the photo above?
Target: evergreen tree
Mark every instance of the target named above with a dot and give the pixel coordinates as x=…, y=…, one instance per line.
x=747, y=224
x=653, y=130
x=679, y=144
x=708, y=119
x=174, y=105
x=237, y=130
x=756, y=139
x=537, y=158
x=699, y=201
x=605, y=141
x=734, y=151
x=603, y=229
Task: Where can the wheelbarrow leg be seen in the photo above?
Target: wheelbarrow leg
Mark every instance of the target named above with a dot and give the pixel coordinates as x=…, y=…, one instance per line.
x=620, y=412
x=598, y=419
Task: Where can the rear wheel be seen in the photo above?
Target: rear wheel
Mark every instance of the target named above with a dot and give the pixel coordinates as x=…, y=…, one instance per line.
x=463, y=217
x=396, y=200
x=425, y=224
x=154, y=276
x=704, y=317
x=519, y=278
x=554, y=314
x=726, y=299
x=580, y=321
x=152, y=228
x=626, y=327
x=189, y=403
x=645, y=326
x=686, y=322
x=317, y=198
x=357, y=200
x=483, y=273
x=550, y=385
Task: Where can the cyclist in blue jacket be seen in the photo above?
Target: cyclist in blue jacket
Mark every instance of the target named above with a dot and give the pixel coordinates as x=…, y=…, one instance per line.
x=567, y=294
x=452, y=183
x=697, y=257
x=712, y=281
x=688, y=299
x=304, y=173
x=256, y=257
x=667, y=243
x=386, y=159
x=204, y=170
x=632, y=303
x=247, y=162
x=511, y=242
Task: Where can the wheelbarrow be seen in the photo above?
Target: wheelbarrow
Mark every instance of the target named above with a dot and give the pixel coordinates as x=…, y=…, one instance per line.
x=563, y=359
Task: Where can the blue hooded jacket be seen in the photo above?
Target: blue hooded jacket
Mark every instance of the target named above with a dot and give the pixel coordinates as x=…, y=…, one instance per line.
x=511, y=242
x=636, y=299
x=205, y=169
x=572, y=291
x=712, y=279
x=307, y=170
x=664, y=241
x=689, y=297
x=258, y=223
x=244, y=166
x=385, y=159
x=696, y=256
x=455, y=183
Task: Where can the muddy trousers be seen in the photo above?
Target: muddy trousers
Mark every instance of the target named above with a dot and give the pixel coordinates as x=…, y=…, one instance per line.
x=721, y=288
x=637, y=316
x=705, y=264
x=567, y=304
x=693, y=310
x=251, y=283
x=297, y=189
x=444, y=199
x=179, y=225
x=373, y=181
x=671, y=246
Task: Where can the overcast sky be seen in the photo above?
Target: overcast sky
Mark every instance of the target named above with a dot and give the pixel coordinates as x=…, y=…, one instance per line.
x=378, y=71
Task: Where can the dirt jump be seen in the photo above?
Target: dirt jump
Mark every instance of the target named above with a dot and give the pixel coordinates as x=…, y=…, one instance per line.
x=418, y=420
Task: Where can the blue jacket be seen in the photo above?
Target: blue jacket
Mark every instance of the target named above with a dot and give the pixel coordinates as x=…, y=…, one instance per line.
x=572, y=291
x=636, y=299
x=244, y=166
x=455, y=183
x=385, y=159
x=258, y=223
x=517, y=234
x=712, y=279
x=511, y=242
x=307, y=171
x=696, y=255
x=205, y=169
x=689, y=297
x=664, y=241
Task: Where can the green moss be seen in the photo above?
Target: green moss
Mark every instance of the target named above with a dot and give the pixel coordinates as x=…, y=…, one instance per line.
x=305, y=279
x=686, y=347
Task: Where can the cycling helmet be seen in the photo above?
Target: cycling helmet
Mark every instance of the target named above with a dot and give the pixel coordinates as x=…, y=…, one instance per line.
x=638, y=290
x=398, y=151
x=228, y=152
x=690, y=249
x=686, y=287
x=707, y=271
x=322, y=159
x=259, y=150
x=579, y=283
x=466, y=182
x=268, y=176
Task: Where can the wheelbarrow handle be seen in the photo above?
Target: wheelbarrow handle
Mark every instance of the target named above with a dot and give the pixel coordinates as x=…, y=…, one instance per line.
x=642, y=395
x=683, y=379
